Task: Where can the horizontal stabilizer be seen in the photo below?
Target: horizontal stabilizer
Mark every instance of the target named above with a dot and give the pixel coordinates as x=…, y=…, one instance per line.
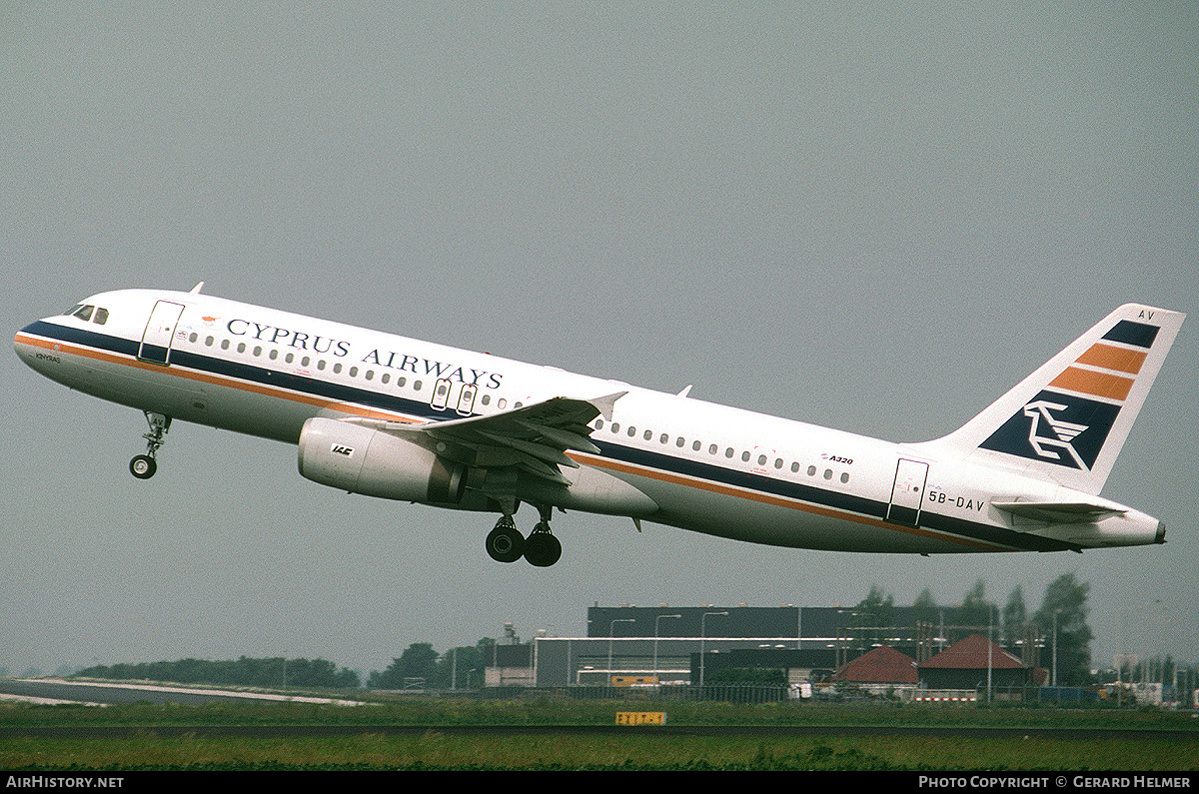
x=1059, y=512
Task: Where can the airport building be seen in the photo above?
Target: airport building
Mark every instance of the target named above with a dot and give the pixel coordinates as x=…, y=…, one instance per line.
x=631, y=645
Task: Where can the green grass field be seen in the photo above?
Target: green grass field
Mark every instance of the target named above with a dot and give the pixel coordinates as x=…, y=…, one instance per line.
x=894, y=749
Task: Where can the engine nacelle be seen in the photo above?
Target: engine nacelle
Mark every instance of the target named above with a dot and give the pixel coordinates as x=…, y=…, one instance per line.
x=371, y=462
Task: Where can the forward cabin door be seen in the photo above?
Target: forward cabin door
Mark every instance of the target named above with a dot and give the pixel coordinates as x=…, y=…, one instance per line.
x=160, y=330
x=907, y=494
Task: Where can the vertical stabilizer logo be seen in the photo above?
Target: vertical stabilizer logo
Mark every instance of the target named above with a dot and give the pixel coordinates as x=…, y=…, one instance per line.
x=1062, y=433
x=1069, y=425
x=1066, y=430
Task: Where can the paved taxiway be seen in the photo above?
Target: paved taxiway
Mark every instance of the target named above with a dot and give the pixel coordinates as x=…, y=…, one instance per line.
x=57, y=690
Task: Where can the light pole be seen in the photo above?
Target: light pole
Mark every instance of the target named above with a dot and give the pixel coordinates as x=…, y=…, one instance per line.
x=1055, y=614
x=702, y=634
x=611, y=627
x=656, y=643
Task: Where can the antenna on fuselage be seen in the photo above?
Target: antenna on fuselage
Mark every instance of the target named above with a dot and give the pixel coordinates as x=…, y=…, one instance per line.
x=196, y=289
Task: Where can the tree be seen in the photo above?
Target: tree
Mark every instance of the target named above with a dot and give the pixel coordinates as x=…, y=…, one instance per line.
x=877, y=608
x=976, y=610
x=924, y=609
x=463, y=666
x=418, y=661
x=1066, y=599
x=1015, y=615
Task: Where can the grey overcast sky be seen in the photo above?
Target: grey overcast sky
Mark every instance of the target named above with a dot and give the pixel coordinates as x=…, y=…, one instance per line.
x=875, y=216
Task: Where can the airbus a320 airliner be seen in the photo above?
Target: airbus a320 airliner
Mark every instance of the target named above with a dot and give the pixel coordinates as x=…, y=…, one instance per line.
x=391, y=417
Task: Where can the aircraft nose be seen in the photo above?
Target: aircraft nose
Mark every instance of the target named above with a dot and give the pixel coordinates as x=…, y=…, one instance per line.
x=23, y=343
x=17, y=342
x=1161, y=532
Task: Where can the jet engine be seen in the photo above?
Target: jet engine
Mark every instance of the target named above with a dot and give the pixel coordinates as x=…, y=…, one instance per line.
x=376, y=463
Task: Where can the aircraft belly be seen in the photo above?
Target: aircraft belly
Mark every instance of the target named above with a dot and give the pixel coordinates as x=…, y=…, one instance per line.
x=760, y=518
x=172, y=391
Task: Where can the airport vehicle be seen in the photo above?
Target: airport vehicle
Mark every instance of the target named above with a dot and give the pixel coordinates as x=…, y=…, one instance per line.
x=387, y=416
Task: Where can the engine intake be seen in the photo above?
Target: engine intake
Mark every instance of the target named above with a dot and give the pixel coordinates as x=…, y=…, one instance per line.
x=374, y=463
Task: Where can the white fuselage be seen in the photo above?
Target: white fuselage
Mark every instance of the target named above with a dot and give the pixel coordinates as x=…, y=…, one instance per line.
x=706, y=467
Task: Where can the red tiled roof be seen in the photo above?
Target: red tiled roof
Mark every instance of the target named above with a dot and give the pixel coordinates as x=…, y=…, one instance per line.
x=971, y=654
x=883, y=665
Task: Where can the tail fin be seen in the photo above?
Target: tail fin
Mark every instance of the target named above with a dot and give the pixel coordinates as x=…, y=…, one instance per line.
x=1067, y=421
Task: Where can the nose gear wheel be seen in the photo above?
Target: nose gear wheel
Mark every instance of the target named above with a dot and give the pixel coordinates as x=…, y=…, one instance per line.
x=144, y=466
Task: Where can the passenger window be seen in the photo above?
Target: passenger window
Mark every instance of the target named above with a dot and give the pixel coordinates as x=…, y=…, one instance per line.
x=844, y=476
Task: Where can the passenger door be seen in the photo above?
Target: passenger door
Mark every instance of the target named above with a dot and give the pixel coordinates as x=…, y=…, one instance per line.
x=907, y=493
x=160, y=330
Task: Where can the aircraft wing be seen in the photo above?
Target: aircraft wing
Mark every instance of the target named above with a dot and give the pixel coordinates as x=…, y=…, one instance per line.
x=533, y=438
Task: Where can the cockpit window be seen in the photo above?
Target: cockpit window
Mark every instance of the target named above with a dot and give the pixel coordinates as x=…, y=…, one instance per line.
x=85, y=312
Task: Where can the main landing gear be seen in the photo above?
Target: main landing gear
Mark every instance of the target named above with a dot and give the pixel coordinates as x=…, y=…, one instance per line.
x=541, y=548
x=144, y=466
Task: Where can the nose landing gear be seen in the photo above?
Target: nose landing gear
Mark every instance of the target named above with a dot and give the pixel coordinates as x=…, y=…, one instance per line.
x=144, y=466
